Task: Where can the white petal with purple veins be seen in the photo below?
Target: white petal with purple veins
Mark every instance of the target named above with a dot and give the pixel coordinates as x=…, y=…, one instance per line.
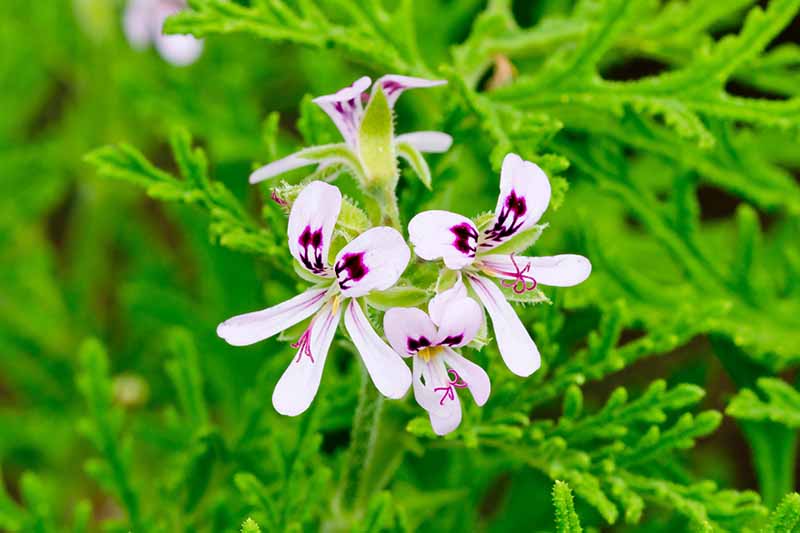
x=311, y=223
x=372, y=261
x=446, y=235
x=524, y=196
x=427, y=141
x=387, y=370
x=300, y=382
x=278, y=167
x=253, y=327
x=394, y=85
x=514, y=342
x=460, y=323
x=434, y=393
x=345, y=108
x=474, y=376
x=563, y=270
x=408, y=329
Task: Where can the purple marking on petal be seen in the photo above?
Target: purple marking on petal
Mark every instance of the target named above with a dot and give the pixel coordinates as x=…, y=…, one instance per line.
x=391, y=86
x=313, y=240
x=349, y=268
x=466, y=238
x=514, y=206
x=416, y=344
x=451, y=340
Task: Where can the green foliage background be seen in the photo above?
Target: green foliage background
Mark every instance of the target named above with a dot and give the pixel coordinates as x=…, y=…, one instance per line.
x=667, y=400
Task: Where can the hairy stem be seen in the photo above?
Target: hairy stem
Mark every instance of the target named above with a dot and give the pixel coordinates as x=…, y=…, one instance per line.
x=364, y=435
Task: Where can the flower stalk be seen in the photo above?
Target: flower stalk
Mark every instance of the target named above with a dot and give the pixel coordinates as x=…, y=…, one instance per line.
x=349, y=502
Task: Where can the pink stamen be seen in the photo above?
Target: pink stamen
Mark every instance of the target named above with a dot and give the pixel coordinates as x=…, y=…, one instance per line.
x=449, y=392
x=304, y=345
x=277, y=199
x=521, y=282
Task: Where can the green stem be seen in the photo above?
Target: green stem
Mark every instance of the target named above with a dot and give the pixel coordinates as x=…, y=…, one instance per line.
x=363, y=437
x=387, y=212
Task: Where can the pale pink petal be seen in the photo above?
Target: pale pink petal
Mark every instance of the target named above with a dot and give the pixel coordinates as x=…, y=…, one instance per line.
x=439, y=304
x=460, y=323
x=299, y=383
x=388, y=371
x=408, y=330
x=514, y=342
x=394, y=85
x=524, y=195
x=311, y=223
x=474, y=376
x=179, y=50
x=563, y=270
x=443, y=406
x=138, y=23
x=372, y=261
x=278, y=167
x=427, y=141
x=446, y=235
x=345, y=108
x=253, y=327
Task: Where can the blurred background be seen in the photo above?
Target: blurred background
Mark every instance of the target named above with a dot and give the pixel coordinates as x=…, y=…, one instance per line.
x=85, y=257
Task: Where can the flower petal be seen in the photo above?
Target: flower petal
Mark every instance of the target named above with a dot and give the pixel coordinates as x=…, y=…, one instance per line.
x=563, y=270
x=253, y=327
x=394, y=85
x=311, y=223
x=299, y=383
x=137, y=23
x=451, y=236
x=179, y=50
x=460, y=322
x=514, y=342
x=345, y=108
x=427, y=141
x=278, y=167
x=441, y=302
x=443, y=406
x=387, y=370
x=408, y=329
x=524, y=195
x=372, y=261
x=474, y=376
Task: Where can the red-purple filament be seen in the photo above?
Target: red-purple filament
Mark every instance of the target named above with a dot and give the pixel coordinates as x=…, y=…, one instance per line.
x=449, y=392
x=522, y=281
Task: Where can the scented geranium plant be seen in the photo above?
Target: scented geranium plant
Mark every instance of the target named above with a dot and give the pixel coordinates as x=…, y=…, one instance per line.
x=399, y=266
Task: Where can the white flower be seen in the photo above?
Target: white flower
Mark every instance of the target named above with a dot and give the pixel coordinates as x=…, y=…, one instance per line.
x=524, y=195
x=143, y=22
x=452, y=321
x=370, y=149
x=372, y=261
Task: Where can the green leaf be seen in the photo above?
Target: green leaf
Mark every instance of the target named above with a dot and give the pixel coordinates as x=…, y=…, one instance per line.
x=250, y=526
x=566, y=518
x=786, y=517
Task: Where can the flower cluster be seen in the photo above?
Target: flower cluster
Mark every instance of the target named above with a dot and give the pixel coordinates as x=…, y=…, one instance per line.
x=376, y=259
